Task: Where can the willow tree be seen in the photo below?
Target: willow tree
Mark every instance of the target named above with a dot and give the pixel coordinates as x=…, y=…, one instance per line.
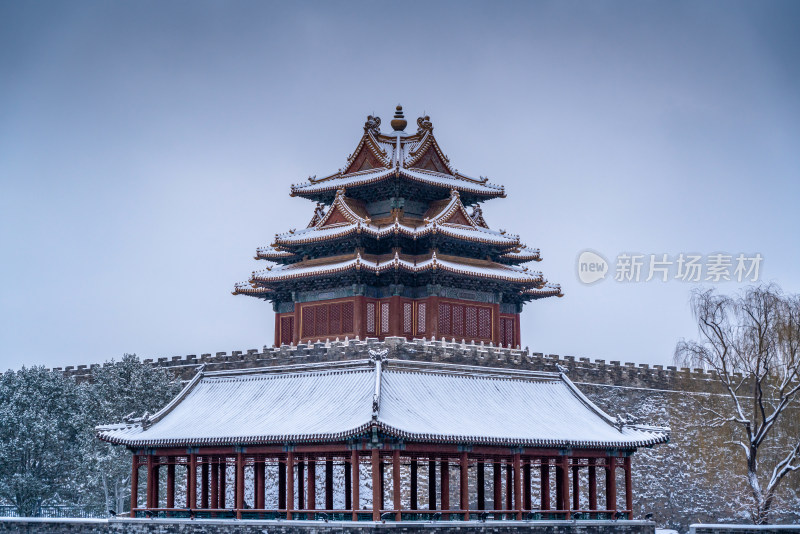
x=750, y=343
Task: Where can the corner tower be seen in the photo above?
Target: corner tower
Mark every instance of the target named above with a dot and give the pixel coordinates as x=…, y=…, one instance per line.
x=398, y=246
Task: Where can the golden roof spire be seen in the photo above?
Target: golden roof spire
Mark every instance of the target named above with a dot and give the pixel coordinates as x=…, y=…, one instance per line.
x=399, y=122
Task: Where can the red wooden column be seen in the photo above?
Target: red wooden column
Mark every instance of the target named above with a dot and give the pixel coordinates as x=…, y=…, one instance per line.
x=565, y=484
x=464, y=484
x=611, y=484
x=432, y=317
x=517, y=487
x=592, y=484
x=222, y=466
x=260, y=479
x=311, y=499
x=355, y=482
x=239, y=484
x=545, y=484
x=171, y=483
x=277, y=342
x=134, y=485
x=517, y=332
x=289, y=484
x=191, y=482
x=395, y=316
x=432, y=485
x=628, y=487
x=359, y=313
x=376, y=485
x=414, y=484
x=396, y=483
x=204, y=492
x=576, y=497
x=497, y=484
x=481, y=482
x=445, y=475
x=526, y=485
x=329, y=484
x=296, y=326
x=152, y=481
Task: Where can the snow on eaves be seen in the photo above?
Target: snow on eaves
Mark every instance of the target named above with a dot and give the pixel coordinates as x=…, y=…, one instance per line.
x=418, y=402
x=336, y=182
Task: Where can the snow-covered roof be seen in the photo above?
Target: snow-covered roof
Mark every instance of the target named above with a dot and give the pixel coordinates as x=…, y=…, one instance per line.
x=398, y=227
x=412, y=264
x=416, y=401
x=357, y=221
x=437, y=179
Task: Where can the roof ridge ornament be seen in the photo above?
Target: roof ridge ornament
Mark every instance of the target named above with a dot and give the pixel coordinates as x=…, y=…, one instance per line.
x=373, y=125
x=425, y=124
x=399, y=121
x=377, y=357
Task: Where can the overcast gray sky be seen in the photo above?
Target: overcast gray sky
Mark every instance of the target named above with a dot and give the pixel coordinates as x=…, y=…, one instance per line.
x=147, y=149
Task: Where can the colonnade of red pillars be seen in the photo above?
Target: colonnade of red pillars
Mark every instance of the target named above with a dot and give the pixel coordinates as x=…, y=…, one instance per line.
x=205, y=476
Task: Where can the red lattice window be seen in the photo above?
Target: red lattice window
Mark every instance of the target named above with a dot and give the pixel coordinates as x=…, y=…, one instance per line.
x=370, y=317
x=507, y=332
x=321, y=320
x=458, y=320
x=347, y=317
x=445, y=327
x=471, y=322
x=421, y=318
x=335, y=318
x=384, y=317
x=287, y=330
x=408, y=318
x=307, y=319
x=484, y=323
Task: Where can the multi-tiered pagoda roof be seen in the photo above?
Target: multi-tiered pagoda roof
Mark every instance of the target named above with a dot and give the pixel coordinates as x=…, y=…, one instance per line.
x=398, y=220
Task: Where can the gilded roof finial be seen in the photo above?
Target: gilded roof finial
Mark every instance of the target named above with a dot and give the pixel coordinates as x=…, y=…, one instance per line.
x=399, y=122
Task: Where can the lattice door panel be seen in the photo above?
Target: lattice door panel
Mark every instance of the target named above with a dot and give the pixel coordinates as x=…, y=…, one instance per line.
x=484, y=323
x=458, y=321
x=347, y=318
x=471, y=320
x=408, y=318
x=384, y=317
x=335, y=319
x=307, y=318
x=287, y=330
x=445, y=325
x=371, y=309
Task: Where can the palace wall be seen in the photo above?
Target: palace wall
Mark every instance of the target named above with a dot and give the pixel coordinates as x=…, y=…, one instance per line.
x=581, y=370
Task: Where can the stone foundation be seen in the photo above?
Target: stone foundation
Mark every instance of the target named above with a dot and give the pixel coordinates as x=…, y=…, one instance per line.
x=185, y=526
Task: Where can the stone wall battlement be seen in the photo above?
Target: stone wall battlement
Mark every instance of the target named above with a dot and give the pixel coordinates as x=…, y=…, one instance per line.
x=613, y=373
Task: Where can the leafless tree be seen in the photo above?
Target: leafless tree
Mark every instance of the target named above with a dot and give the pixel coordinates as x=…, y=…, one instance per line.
x=750, y=342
